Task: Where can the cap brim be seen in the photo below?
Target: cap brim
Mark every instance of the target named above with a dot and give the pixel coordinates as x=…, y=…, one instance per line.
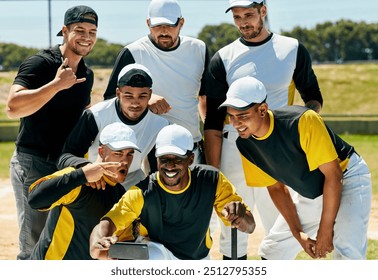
x=156, y=21
x=170, y=150
x=235, y=103
x=241, y=4
x=121, y=145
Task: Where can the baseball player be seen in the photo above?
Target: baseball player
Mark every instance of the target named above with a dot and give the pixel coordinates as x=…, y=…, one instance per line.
x=293, y=147
x=283, y=65
x=177, y=64
x=175, y=204
x=130, y=107
x=76, y=208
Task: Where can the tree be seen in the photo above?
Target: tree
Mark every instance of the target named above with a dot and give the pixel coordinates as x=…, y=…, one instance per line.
x=217, y=36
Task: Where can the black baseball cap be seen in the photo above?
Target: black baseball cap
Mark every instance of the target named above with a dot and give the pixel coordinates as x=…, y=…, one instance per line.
x=134, y=75
x=79, y=14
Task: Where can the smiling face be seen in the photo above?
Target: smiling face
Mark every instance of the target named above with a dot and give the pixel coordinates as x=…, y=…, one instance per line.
x=80, y=37
x=173, y=170
x=253, y=121
x=133, y=100
x=125, y=157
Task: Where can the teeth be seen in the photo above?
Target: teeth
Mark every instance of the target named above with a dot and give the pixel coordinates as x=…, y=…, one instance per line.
x=241, y=130
x=171, y=174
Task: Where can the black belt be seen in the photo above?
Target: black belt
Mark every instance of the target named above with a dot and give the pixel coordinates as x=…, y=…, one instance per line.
x=46, y=156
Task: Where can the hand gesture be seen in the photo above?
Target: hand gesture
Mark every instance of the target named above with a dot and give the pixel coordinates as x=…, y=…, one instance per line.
x=94, y=173
x=65, y=77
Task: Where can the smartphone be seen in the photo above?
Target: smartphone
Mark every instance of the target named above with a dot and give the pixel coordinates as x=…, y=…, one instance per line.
x=129, y=251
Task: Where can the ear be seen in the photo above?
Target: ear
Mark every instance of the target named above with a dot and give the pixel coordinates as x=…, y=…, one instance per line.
x=262, y=109
x=263, y=11
x=191, y=159
x=65, y=30
x=118, y=92
x=101, y=151
x=181, y=22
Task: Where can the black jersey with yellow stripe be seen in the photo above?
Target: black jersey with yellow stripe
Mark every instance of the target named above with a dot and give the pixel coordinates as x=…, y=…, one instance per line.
x=74, y=211
x=177, y=219
x=297, y=143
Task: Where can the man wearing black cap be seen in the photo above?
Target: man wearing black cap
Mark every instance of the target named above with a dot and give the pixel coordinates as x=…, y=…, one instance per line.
x=283, y=65
x=49, y=93
x=76, y=208
x=130, y=106
x=177, y=64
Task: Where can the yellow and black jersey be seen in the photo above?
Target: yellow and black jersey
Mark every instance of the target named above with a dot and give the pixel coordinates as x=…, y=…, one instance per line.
x=297, y=143
x=177, y=219
x=74, y=211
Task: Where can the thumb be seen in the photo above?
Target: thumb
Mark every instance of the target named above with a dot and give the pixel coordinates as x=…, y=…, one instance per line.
x=114, y=239
x=80, y=80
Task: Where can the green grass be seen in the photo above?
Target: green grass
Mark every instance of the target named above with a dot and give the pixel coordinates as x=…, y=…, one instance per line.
x=6, y=151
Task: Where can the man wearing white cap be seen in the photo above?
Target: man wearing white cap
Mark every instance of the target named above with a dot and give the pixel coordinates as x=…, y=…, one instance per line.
x=283, y=65
x=293, y=147
x=130, y=107
x=76, y=208
x=174, y=205
x=177, y=64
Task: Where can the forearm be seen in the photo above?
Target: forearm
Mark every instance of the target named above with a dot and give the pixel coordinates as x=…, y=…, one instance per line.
x=23, y=102
x=99, y=240
x=282, y=200
x=213, y=147
x=48, y=190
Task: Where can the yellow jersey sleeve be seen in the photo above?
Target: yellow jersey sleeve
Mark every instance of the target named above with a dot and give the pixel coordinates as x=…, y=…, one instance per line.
x=126, y=211
x=225, y=193
x=315, y=140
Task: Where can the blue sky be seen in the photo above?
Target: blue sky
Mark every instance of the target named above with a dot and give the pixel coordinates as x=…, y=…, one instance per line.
x=27, y=22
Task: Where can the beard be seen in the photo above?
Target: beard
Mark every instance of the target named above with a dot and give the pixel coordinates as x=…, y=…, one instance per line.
x=254, y=33
x=167, y=44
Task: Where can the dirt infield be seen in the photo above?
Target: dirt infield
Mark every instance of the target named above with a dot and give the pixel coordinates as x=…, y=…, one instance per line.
x=9, y=227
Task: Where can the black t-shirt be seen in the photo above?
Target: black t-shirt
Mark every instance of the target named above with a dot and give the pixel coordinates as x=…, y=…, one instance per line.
x=45, y=131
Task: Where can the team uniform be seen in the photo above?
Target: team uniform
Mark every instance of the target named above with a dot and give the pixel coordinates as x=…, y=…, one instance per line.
x=41, y=136
x=282, y=64
x=178, y=76
x=290, y=154
x=85, y=137
x=74, y=211
x=179, y=220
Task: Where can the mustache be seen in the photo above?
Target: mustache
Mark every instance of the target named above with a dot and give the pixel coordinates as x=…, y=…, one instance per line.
x=164, y=36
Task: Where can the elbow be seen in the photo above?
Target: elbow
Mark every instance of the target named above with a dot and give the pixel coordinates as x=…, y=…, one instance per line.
x=11, y=112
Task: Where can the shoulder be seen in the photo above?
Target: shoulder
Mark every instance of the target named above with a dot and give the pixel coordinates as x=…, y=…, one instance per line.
x=284, y=39
x=192, y=42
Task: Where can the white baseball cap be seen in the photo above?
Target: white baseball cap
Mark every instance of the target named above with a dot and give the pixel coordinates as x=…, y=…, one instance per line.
x=244, y=93
x=164, y=12
x=242, y=3
x=173, y=140
x=118, y=136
